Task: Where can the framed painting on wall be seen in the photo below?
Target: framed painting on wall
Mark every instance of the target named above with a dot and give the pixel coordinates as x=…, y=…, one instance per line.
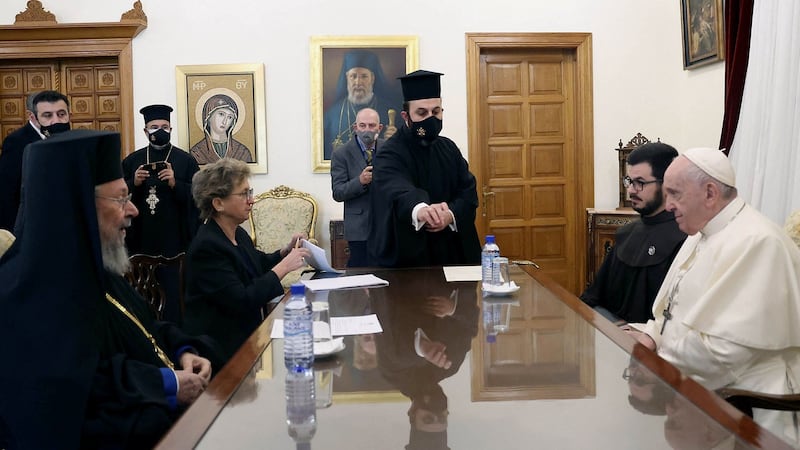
x=703, y=32
x=221, y=112
x=353, y=72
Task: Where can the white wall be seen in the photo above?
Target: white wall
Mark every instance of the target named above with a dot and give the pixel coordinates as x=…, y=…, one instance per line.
x=639, y=81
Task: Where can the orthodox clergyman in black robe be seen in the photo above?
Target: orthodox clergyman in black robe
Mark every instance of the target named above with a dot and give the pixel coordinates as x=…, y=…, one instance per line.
x=632, y=272
x=168, y=218
x=423, y=195
x=77, y=378
x=132, y=401
x=634, y=269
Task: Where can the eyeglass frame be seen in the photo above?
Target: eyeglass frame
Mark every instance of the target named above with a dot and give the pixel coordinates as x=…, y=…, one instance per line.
x=121, y=201
x=247, y=195
x=638, y=185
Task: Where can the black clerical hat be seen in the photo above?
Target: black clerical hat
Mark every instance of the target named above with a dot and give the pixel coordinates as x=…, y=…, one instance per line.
x=101, y=147
x=360, y=58
x=155, y=112
x=421, y=84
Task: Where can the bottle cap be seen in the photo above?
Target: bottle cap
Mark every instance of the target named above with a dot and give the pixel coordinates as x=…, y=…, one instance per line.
x=490, y=239
x=298, y=289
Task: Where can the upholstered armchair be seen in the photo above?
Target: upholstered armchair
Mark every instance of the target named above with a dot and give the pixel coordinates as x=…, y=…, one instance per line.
x=278, y=214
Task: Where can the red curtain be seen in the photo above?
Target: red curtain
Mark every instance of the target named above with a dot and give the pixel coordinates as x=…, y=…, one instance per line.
x=738, y=21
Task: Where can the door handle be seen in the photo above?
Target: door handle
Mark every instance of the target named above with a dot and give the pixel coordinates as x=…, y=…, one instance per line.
x=486, y=194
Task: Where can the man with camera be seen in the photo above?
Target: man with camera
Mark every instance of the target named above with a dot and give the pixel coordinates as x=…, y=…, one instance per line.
x=159, y=177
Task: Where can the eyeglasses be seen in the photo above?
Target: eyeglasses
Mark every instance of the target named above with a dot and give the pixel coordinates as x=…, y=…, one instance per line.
x=638, y=185
x=121, y=201
x=247, y=195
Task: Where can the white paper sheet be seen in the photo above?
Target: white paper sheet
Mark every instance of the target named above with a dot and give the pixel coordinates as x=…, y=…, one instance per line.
x=352, y=281
x=318, y=258
x=340, y=326
x=462, y=273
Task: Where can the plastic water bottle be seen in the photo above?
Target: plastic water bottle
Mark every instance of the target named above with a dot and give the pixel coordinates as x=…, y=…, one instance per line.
x=298, y=342
x=488, y=323
x=301, y=406
x=489, y=252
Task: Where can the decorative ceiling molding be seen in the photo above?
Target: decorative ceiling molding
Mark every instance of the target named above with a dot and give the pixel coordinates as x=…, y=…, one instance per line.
x=136, y=14
x=35, y=13
x=38, y=24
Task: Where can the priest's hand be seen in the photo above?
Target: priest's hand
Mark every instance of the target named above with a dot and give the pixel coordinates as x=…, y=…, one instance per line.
x=436, y=217
x=439, y=306
x=140, y=175
x=190, y=386
x=196, y=364
x=167, y=175
x=435, y=353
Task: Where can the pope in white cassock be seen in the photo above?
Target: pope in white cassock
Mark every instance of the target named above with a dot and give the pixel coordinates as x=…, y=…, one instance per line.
x=728, y=312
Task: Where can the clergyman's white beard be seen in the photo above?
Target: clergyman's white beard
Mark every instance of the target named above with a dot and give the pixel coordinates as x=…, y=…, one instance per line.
x=360, y=99
x=115, y=257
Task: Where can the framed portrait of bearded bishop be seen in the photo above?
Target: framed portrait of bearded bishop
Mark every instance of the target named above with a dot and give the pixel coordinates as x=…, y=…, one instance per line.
x=349, y=73
x=221, y=113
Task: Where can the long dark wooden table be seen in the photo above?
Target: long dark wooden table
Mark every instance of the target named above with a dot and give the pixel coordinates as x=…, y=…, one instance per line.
x=556, y=375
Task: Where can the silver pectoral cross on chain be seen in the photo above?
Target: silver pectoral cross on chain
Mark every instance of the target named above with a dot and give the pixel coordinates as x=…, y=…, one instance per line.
x=152, y=199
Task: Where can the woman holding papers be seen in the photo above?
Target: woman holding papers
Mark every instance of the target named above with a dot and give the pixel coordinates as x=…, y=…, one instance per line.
x=229, y=281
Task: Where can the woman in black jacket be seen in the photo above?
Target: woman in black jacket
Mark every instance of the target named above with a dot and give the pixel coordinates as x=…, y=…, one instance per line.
x=229, y=281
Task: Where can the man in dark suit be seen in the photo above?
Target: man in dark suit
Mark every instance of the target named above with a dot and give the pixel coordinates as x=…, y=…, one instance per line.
x=49, y=114
x=11, y=164
x=351, y=175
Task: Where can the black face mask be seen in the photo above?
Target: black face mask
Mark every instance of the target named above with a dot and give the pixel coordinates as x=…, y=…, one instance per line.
x=427, y=130
x=160, y=137
x=54, y=128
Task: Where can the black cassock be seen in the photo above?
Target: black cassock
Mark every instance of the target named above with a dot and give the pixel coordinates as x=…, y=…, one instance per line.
x=632, y=272
x=127, y=405
x=406, y=174
x=166, y=227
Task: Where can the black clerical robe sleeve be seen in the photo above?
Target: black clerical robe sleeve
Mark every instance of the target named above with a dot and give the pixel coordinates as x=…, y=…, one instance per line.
x=127, y=406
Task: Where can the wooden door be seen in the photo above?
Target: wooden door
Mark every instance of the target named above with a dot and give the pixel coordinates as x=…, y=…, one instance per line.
x=92, y=86
x=531, y=147
x=17, y=80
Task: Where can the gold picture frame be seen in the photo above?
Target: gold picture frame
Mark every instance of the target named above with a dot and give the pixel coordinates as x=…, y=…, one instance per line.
x=221, y=111
x=703, y=32
x=395, y=55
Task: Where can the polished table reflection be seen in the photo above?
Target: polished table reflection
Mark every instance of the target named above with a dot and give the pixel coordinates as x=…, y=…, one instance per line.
x=533, y=369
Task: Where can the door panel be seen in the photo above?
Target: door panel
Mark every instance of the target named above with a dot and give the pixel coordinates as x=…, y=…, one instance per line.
x=527, y=95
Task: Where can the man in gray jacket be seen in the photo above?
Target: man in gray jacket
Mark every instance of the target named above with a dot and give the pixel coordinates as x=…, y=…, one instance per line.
x=351, y=176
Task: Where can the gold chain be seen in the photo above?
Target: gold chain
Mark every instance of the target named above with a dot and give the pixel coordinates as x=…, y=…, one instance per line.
x=160, y=353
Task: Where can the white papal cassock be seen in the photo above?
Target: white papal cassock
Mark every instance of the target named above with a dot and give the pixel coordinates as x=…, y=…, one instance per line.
x=733, y=295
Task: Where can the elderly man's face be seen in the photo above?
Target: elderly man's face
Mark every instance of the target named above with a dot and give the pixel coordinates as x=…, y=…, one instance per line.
x=114, y=214
x=359, y=85
x=685, y=197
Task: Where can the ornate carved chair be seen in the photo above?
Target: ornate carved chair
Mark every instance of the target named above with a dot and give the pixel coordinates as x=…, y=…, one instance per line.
x=278, y=214
x=142, y=277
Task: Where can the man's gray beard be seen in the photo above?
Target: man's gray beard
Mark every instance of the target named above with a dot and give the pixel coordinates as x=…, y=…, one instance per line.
x=115, y=257
x=363, y=101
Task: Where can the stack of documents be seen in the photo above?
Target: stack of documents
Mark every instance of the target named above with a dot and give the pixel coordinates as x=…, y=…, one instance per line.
x=326, y=284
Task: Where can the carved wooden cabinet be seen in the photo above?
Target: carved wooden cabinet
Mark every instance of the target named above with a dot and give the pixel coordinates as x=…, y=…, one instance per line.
x=339, y=251
x=602, y=224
